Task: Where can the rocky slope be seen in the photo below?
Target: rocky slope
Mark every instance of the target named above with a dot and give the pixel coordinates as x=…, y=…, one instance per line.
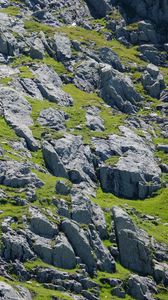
x=83, y=149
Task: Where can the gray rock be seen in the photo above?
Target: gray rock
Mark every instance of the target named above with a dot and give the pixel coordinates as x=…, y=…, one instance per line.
x=17, y=112
x=163, y=148
x=141, y=288
x=87, y=75
x=161, y=273
x=62, y=47
x=7, y=44
x=93, y=120
x=40, y=225
x=99, y=8
x=118, y=90
x=130, y=240
x=7, y=292
x=136, y=174
x=69, y=158
x=80, y=244
x=49, y=84
x=16, y=174
x=105, y=261
x=53, y=118
x=80, y=211
x=31, y=88
x=109, y=57
x=63, y=187
x=59, y=253
x=153, y=81
x=37, y=49
x=16, y=247
x=98, y=220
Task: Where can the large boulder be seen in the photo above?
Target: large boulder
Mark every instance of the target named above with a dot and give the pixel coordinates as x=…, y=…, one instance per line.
x=87, y=75
x=49, y=84
x=99, y=8
x=53, y=118
x=141, y=288
x=62, y=47
x=58, y=252
x=68, y=157
x=7, y=292
x=17, y=112
x=15, y=174
x=80, y=243
x=134, y=244
x=16, y=247
x=40, y=225
x=153, y=81
x=118, y=90
x=135, y=174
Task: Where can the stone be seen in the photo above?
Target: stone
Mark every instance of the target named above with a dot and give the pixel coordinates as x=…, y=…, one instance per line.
x=131, y=177
x=15, y=174
x=141, y=288
x=40, y=225
x=87, y=75
x=16, y=247
x=105, y=261
x=80, y=244
x=17, y=113
x=98, y=220
x=109, y=57
x=99, y=8
x=7, y=292
x=118, y=90
x=131, y=239
x=53, y=118
x=153, y=81
x=93, y=120
x=62, y=47
x=49, y=84
x=37, y=49
x=69, y=158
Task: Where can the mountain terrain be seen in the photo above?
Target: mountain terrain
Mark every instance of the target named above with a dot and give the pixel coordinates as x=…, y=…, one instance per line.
x=83, y=149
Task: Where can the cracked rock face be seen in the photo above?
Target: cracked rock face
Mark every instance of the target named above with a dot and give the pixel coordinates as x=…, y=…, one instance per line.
x=83, y=127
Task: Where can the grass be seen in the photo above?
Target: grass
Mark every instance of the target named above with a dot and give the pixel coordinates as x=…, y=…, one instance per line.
x=77, y=114
x=38, y=291
x=106, y=291
x=6, y=132
x=11, y=11
x=112, y=161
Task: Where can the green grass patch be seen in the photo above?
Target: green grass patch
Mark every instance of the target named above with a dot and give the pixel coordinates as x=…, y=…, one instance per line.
x=11, y=11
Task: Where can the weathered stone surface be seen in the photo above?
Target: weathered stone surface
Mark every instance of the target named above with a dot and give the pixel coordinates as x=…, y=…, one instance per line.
x=87, y=75
x=130, y=240
x=80, y=244
x=53, y=118
x=7, y=292
x=58, y=253
x=16, y=247
x=93, y=120
x=136, y=174
x=141, y=288
x=153, y=81
x=68, y=157
x=62, y=47
x=40, y=225
x=49, y=84
x=118, y=90
x=17, y=110
x=16, y=174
